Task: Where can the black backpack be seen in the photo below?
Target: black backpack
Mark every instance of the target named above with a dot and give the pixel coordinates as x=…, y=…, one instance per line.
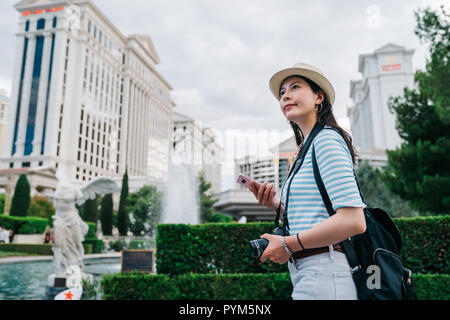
x=375, y=253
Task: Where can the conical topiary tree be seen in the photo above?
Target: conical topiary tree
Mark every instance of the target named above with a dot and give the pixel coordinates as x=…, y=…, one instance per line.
x=21, y=199
x=90, y=212
x=122, y=217
x=106, y=214
x=206, y=201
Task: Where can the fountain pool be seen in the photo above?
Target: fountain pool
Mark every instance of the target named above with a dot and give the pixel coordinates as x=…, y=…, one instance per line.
x=27, y=280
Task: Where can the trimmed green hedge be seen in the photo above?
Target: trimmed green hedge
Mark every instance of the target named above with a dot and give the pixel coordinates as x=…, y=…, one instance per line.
x=432, y=286
x=269, y=286
x=23, y=225
x=97, y=245
x=210, y=248
x=34, y=225
x=91, y=231
x=224, y=248
x=39, y=249
x=425, y=243
x=134, y=286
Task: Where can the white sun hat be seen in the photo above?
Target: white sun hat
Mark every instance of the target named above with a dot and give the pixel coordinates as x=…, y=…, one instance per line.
x=305, y=70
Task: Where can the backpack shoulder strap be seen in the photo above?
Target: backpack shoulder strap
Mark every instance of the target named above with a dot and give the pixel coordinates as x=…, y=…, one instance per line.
x=346, y=244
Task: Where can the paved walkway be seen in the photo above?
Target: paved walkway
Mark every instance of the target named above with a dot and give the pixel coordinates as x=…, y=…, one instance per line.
x=44, y=258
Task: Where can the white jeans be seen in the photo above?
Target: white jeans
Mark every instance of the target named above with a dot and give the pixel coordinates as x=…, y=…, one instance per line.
x=324, y=276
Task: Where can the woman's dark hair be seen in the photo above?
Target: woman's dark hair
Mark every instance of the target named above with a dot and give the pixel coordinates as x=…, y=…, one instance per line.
x=325, y=117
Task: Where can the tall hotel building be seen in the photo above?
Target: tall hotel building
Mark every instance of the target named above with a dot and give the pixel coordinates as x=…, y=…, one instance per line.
x=85, y=97
x=385, y=73
x=197, y=145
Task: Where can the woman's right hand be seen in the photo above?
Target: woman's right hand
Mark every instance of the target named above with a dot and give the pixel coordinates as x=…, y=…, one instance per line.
x=265, y=194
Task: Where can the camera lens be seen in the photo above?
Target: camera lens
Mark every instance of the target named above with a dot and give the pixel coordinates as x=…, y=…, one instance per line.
x=258, y=246
x=243, y=181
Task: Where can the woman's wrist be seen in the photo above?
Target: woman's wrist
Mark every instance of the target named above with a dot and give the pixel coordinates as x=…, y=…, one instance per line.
x=293, y=244
x=275, y=205
x=285, y=246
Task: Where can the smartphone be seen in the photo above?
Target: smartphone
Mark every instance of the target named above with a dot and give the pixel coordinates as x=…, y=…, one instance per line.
x=245, y=181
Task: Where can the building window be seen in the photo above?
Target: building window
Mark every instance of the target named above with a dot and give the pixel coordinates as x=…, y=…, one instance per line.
x=40, y=24
x=48, y=90
x=24, y=56
x=34, y=92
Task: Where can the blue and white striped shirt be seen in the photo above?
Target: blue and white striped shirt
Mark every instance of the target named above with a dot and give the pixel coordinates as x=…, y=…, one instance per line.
x=306, y=207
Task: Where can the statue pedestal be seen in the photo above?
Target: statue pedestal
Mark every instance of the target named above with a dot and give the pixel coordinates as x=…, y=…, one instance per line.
x=57, y=284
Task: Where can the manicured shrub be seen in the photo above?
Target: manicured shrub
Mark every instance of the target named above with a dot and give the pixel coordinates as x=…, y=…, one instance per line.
x=21, y=199
x=432, y=286
x=23, y=225
x=267, y=286
x=34, y=225
x=122, y=216
x=136, y=286
x=211, y=248
x=224, y=248
x=425, y=243
x=117, y=245
x=221, y=218
x=97, y=245
x=106, y=214
x=39, y=249
x=91, y=231
x=2, y=202
x=41, y=207
x=90, y=210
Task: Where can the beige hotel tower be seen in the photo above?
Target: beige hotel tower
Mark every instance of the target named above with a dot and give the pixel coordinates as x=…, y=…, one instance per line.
x=85, y=98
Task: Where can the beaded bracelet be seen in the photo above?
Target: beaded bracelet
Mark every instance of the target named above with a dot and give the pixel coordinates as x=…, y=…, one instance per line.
x=298, y=239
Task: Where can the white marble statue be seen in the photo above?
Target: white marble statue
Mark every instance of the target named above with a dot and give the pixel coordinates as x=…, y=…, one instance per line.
x=69, y=229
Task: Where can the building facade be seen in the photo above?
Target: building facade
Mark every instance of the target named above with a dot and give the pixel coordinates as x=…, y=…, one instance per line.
x=196, y=145
x=274, y=168
x=212, y=156
x=261, y=169
x=4, y=104
x=86, y=98
x=384, y=74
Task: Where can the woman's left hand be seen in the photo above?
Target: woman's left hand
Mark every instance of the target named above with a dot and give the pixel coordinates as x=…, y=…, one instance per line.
x=274, y=251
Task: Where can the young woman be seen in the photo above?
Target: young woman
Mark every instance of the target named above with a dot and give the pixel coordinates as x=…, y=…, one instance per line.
x=319, y=268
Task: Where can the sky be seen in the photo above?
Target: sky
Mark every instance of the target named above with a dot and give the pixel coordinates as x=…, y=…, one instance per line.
x=219, y=55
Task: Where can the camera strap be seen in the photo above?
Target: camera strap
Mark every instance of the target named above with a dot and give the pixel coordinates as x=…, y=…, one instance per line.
x=295, y=168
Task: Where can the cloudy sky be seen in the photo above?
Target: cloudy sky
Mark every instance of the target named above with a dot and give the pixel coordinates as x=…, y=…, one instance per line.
x=219, y=55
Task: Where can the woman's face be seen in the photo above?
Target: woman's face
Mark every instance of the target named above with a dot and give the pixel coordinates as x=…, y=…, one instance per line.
x=297, y=100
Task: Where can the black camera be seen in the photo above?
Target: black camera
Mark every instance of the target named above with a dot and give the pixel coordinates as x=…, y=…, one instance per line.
x=259, y=245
